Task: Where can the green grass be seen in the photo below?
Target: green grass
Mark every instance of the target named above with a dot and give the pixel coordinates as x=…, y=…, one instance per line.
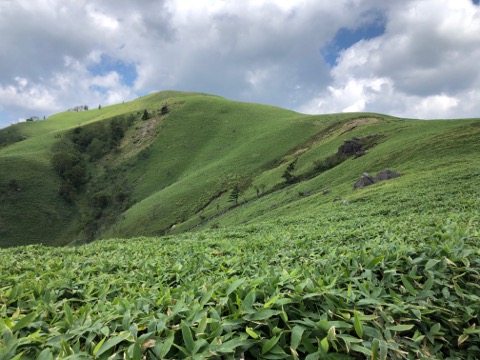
x=179, y=169
x=388, y=275
x=309, y=270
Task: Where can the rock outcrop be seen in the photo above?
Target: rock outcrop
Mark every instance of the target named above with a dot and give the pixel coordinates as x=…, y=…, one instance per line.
x=386, y=175
x=366, y=179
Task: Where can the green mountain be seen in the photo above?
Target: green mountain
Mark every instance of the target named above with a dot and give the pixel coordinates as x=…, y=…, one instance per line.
x=238, y=231
x=168, y=162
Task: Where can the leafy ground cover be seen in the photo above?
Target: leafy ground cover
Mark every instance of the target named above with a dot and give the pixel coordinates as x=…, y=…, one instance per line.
x=346, y=283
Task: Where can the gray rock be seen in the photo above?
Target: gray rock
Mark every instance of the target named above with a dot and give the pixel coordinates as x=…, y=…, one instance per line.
x=365, y=180
x=386, y=175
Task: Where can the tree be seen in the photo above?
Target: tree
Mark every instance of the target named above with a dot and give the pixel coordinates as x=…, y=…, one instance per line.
x=145, y=115
x=99, y=107
x=234, y=194
x=288, y=175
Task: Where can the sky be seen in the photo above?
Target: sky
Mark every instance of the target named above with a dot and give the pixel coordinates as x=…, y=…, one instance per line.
x=407, y=58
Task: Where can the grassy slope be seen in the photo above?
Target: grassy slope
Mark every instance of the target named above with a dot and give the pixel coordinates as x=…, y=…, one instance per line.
x=423, y=152
x=35, y=213
x=391, y=268
x=185, y=164
x=381, y=277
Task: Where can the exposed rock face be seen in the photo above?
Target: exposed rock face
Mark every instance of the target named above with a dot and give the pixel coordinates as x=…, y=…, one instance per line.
x=366, y=179
x=357, y=147
x=350, y=147
x=386, y=175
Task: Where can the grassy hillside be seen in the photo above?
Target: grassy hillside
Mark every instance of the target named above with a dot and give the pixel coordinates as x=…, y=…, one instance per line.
x=109, y=173
x=258, y=245
x=379, y=277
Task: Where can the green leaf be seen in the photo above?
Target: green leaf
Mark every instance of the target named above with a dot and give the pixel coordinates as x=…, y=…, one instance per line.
x=314, y=356
x=408, y=285
x=361, y=349
x=167, y=345
x=68, y=314
x=137, y=351
x=112, y=342
x=357, y=324
x=233, y=286
x=272, y=301
x=252, y=333
x=349, y=339
x=249, y=300
x=231, y=345
x=270, y=344
x=435, y=328
x=417, y=313
x=383, y=350
x=400, y=327
x=99, y=345
x=23, y=322
x=45, y=355
x=375, y=347
x=263, y=314
x=297, y=333
x=202, y=325
x=66, y=349
x=371, y=264
x=187, y=336
x=431, y=263
x=198, y=345
x=324, y=344
x=331, y=335
x=462, y=338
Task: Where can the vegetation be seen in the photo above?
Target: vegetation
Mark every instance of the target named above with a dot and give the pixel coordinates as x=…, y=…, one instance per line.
x=362, y=280
x=108, y=173
x=288, y=174
x=304, y=267
x=234, y=195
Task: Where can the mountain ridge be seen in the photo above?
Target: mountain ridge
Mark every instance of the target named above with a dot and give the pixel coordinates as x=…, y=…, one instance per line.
x=174, y=170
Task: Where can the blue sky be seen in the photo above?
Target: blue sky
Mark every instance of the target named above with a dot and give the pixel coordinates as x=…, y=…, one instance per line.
x=108, y=64
x=409, y=58
x=346, y=37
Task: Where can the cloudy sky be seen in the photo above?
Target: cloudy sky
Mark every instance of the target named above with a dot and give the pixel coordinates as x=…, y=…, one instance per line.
x=409, y=58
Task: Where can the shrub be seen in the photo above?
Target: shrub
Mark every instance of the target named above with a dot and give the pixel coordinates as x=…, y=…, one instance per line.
x=288, y=174
x=329, y=163
x=68, y=191
x=234, y=194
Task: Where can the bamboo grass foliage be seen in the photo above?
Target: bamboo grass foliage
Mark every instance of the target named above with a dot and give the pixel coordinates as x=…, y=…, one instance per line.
x=273, y=291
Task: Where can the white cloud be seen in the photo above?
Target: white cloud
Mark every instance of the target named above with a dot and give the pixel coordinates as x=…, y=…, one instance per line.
x=103, y=21
x=424, y=65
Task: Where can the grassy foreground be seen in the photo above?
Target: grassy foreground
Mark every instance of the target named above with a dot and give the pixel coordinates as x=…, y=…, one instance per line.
x=350, y=282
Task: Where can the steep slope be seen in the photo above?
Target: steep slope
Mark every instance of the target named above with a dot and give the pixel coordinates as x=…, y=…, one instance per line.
x=168, y=162
x=429, y=155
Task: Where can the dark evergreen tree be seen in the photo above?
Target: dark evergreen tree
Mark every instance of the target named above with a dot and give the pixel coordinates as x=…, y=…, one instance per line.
x=234, y=194
x=288, y=175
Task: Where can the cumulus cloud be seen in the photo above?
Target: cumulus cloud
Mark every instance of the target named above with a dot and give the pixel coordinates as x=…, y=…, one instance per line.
x=424, y=65
x=56, y=54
